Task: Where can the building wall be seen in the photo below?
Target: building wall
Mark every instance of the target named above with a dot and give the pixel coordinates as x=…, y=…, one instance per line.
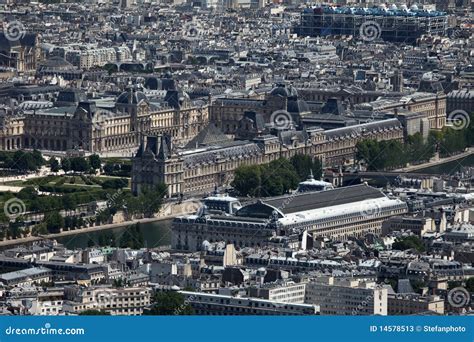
x=11, y=135
x=211, y=304
x=284, y=293
x=226, y=113
x=107, y=132
x=128, y=301
x=202, y=178
x=189, y=234
x=412, y=305
x=461, y=100
x=433, y=107
x=346, y=299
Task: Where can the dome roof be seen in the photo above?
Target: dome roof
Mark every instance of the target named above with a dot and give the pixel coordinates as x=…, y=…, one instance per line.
x=131, y=97
x=284, y=90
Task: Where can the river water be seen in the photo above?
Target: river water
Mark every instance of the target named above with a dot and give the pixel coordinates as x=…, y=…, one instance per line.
x=155, y=234
x=449, y=168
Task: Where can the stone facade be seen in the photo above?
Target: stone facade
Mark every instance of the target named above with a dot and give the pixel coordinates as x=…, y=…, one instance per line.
x=89, y=127
x=430, y=105
x=341, y=213
x=227, y=113
x=200, y=168
x=12, y=130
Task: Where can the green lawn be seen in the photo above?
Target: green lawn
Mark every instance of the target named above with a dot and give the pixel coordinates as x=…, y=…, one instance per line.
x=69, y=181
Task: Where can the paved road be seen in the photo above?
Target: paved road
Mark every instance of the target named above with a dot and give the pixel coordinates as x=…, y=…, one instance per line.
x=440, y=161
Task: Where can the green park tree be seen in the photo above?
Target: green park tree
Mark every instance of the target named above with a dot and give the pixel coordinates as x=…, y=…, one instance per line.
x=54, y=164
x=94, y=161
x=170, y=303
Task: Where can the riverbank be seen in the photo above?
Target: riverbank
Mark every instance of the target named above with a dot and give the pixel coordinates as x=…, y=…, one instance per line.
x=167, y=212
x=440, y=161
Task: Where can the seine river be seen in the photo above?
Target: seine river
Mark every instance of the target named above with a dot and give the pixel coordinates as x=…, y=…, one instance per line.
x=449, y=168
x=155, y=234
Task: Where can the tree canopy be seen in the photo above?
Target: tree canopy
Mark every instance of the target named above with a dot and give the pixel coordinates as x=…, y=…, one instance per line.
x=304, y=164
x=22, y=161
x=170, y=303
x=386, y=155
x=94, y=161
x=54, y=164
x=276, y=178
x=409, y=242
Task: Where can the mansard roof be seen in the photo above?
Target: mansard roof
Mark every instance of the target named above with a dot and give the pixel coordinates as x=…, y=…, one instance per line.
x=297, y=106
x=210, y=135
x=56, y=63
x=287, y=137
x=232, y=101
x=234, y=150
x=131, y=97
x=284, y=90
x=307, y=201
x=358, y=130
x=158, y=146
